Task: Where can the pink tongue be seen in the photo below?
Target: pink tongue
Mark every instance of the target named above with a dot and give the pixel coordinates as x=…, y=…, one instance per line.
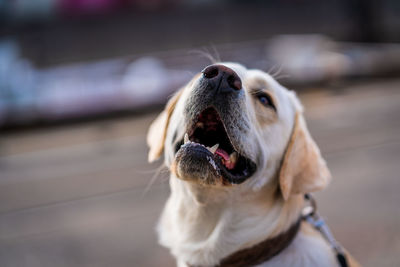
x=226, y=161
x=222, y=153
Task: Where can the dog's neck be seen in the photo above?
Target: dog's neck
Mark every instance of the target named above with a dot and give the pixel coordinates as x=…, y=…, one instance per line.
x=202, y=225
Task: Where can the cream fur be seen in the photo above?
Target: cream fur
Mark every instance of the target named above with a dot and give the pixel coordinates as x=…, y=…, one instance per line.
x=203, y=224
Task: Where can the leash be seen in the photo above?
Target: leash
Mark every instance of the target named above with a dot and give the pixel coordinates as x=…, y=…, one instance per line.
x=312, y=217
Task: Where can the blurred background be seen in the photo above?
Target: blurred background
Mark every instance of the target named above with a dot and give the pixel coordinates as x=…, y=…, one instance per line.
x=81, y=80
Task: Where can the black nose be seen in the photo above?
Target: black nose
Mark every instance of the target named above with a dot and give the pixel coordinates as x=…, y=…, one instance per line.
x=223, y=78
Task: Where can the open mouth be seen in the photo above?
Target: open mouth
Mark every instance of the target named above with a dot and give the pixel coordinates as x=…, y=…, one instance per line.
x=208, y=138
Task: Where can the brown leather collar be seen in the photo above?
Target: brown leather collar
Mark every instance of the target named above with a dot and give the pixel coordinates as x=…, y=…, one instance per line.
x=263, y=251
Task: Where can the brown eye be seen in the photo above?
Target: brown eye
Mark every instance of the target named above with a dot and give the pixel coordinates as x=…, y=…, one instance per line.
x=266, y=100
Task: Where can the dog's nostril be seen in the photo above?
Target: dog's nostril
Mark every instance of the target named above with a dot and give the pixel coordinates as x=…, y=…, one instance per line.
x=234, y=82
x=223, y=78
x=210, y=72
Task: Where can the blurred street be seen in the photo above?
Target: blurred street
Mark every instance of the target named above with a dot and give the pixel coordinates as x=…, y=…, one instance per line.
x=75, y=195
x=81, y=80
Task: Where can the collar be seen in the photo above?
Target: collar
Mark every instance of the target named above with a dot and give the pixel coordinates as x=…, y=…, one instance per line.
x=269, y=248
x=261, y=252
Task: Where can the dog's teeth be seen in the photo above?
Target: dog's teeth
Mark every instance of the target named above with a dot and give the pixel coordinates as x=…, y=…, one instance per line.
x=186, y=138
x=213, y=148
x=233, y=157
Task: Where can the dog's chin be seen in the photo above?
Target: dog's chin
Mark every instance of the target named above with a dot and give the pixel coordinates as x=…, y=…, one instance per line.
x=195, y=163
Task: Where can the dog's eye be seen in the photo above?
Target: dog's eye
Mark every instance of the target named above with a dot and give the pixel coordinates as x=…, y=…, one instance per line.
x=265, y=99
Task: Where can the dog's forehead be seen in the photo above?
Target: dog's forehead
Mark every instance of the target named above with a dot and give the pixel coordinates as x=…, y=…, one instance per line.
x=263, y=81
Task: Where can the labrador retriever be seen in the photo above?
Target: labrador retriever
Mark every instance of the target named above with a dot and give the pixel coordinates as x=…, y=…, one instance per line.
x=241, y=160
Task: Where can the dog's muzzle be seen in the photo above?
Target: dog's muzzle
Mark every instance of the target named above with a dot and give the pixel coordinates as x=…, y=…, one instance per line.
x=211, y=150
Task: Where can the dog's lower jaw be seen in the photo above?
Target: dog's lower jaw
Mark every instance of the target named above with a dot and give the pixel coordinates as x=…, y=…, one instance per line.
x=201, y=229
x=201, y=176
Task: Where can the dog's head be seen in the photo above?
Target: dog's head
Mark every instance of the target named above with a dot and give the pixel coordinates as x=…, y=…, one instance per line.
x=232, y=126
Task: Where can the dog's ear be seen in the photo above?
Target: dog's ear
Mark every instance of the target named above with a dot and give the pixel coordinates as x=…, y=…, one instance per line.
x=158, y=129
x=303, y=169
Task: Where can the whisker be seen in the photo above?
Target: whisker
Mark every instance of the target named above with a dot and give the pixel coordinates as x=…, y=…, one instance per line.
x=278, y=71
x=205, y=54
x=275, y=72
x=271, y=69
x=283, y=76
x=256, y=91
x=161, y=169
x=190, y=73
x=216, y=53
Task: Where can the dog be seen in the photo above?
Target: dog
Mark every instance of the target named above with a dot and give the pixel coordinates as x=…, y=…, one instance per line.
x=241, y=160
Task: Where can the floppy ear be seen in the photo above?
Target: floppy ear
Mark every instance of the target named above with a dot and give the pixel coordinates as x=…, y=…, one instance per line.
x=158, y=129
x=303, y=169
